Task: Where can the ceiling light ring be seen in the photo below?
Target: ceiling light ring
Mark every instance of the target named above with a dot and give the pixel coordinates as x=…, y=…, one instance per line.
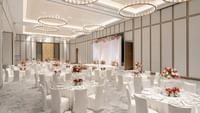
x=176, y=1
x=80, y=2
x=81, y=31
x=43, y=20
x=99, y=27
x=46, y=28
x=153, y=9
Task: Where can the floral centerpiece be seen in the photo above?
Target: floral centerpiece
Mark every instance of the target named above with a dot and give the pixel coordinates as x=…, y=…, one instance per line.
x=76, y=69
x=78, y=81
x=170, y=73
x=95, y=62
x=115, y=63
x=138, y=68
x=172, y=92
x=56, y=64
x=22, y=65
x=103, y=62
x=57, y=72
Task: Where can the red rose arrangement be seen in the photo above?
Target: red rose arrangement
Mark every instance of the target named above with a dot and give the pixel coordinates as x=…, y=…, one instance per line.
x=138, y=66
x=78, y=81
x=115, y=63
x=103, y=62
x=57, y=71
x=173, y=91
x=170, y=73
x=76, y=69
x=56, y=64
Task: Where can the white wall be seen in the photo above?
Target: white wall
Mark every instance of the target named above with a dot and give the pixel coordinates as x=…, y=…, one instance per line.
x=7, y=48
x=168, y=37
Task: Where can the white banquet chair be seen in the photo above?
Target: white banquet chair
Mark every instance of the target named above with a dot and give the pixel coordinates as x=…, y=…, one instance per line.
x=130, y=87
x=6, y=75
x=190, y=87
x=141, y=105
x=96, y=101
x=42, y=79
x=80, y=101
x=58, y=104
x=120, y=83
x=146, y=83
x=36, y=80
x=138, y=84
x=97, y=76
x=68, y=76
x=131, y=102
x=28, y=73
x=174, y=109
x=46, y=99
x=16, y=76
x=109, y=74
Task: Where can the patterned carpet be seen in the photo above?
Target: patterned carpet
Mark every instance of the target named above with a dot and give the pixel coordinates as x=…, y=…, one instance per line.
x=21, y=97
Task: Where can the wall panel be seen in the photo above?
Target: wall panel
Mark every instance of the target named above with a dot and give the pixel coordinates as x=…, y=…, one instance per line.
x=167, y=44
x=180, y=46
x=155, y=48
x=194, y=45
x=137, y=45
x=146, y=48
x=166, y=14
x=155, y=17
x=137, y=22
x=128, y=25
x=122, y=27
x=180, y=10
x=7, y=48
x=194, y=7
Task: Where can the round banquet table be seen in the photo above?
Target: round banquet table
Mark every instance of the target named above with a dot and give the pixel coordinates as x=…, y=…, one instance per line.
x=160, y=102
x=67, y=89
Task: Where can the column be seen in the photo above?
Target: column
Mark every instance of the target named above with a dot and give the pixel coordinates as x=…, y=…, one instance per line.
x=1, y=39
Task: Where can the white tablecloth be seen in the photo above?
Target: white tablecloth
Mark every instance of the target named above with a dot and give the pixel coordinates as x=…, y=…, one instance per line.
x=160, y=102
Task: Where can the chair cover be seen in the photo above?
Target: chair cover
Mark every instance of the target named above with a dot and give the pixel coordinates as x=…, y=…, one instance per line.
x=16, y=76
x=190, y=87
x=138, y=84
x=80, y=101
x=96, y=101
x=174, y=109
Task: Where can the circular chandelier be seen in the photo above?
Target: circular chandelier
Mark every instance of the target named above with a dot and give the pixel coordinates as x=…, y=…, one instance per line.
x=81, y=31
x=46, y=28
x=52, y=21
x=80, y=2
x=176, y=1
x=128, y=14
x=93, y=27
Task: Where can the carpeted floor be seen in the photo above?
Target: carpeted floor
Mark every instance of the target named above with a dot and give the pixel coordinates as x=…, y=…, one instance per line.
x=21, y=97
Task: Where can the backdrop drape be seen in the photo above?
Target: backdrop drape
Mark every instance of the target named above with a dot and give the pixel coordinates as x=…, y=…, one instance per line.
x=107, y=49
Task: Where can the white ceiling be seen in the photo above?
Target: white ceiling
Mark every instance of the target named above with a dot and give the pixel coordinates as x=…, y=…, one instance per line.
x=103, y=12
